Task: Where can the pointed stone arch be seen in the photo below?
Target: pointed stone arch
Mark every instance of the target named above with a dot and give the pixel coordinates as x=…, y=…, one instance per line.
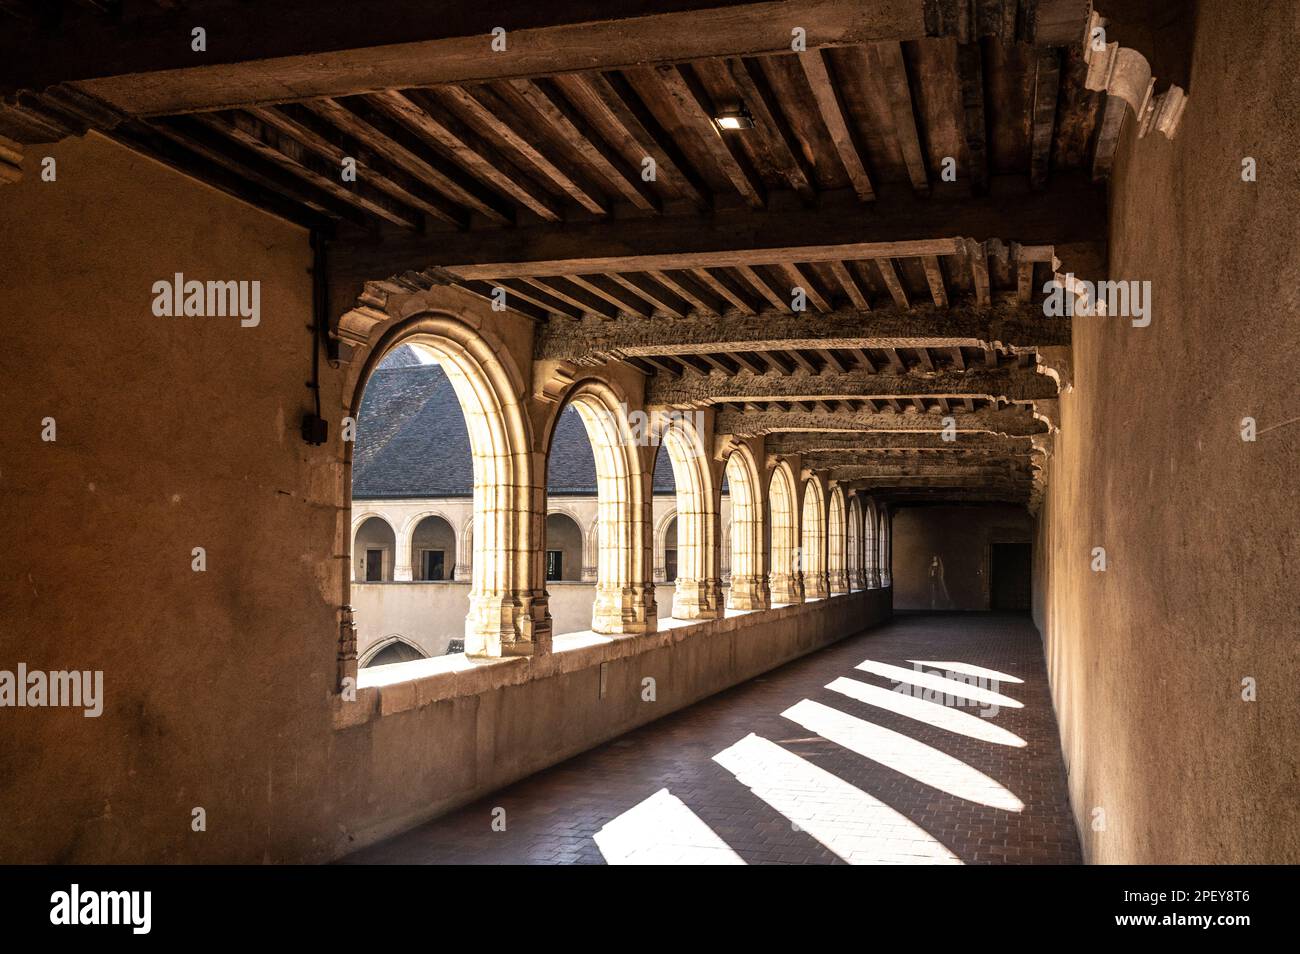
x=886, y=545
x=625, y=599
x=784, y=577
x=407, y=564
x=508, y=613
x=816, y=585
x=698, y=592
x=836, y=543
x=870, y=544
x=749, y=588
x=662, y=543
x=853, y=543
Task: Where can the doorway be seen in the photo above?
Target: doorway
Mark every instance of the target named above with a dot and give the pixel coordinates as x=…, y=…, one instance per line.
x=1011, y=569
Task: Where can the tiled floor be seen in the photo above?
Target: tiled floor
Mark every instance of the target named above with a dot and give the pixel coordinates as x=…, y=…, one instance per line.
x=815, y=762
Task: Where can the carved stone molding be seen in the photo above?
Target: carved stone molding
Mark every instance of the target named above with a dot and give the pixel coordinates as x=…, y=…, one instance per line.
x=1126, y=73
x=1055, y=362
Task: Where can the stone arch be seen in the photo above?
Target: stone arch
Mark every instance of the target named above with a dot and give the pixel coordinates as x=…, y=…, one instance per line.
x=698, y=589
x=749, y=588
x=885, y=534
x=508, y=613
x=837, y=543
x=591, y=550
x=662, y=543
x=379, y=535
x=813, y=541
x=412, y=533
x=465, y=553
x=570, y=541
x=784, y=577
x=853, y=543
x=386, y=645
x=625, y=600
x=870, y=549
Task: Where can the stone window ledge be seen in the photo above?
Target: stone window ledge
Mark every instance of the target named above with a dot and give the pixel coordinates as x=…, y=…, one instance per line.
x=402, y=687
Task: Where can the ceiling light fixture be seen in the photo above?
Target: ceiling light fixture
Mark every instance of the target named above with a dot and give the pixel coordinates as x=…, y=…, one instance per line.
x=735, y=118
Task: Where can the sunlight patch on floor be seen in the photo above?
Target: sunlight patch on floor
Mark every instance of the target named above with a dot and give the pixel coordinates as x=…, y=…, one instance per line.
x=949, y=687
x=662, y=830
x=969, y=669
x=903, y=754
x=948, y=718
x=850, y=823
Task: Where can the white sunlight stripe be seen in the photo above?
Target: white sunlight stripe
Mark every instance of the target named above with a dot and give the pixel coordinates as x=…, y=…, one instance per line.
x=662, y=831
x=946, y=686
x=858, y=828
x=903, y=754
x=931, y=713
x=969, y=669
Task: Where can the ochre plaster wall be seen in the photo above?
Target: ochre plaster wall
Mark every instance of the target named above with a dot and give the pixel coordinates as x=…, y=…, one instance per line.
x=175, y=433
x=1147, y=659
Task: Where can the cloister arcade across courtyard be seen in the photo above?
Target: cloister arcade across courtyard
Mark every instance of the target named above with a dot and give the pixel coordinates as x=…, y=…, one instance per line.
x=721, y=545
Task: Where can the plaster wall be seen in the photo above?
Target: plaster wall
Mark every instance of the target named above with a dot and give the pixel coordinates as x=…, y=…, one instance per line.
x=1201, y=529
x=219, y=686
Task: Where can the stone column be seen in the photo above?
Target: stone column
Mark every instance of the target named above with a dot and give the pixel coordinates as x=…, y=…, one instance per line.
x=402, y=558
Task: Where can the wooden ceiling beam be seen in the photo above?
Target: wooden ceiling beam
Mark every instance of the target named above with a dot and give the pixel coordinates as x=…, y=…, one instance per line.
x=437, y=126
x=762, y=102
x=603, y=287
x=534, y=296
x=934, y=276
x=436, y=172
x=549, y=103
x=659, y=297
x=836, y=118
x=483, y=107
x=801, y=279
x=1019, y=327
x=692, y=103
x=566, y=291
x=850, y=285
x=305, y=49
x=614, y=99
x=894, y=75
x=1010, y=384
x=1071, y=211
x=890, y=279
x=688, y=289
x=722, y=284
x=760, y=284
x=979, y=265
x=293, y=158
x=970, y=65
x=324, y=139
x=1047, y=83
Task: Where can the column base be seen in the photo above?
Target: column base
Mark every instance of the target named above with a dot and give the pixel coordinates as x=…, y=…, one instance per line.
x=516, y=624
x=786, y=588
x=839, y=583
x=749, y=593
x=626, y=610
x=697, y=599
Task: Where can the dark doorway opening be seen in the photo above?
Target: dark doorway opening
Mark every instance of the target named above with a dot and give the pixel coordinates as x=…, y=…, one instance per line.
x=374, y=566
x=1011, y=568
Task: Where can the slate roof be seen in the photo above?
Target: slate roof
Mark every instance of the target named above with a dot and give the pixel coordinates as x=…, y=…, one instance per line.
x=412, y=440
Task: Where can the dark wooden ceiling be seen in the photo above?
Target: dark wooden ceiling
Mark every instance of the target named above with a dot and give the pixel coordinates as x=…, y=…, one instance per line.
x=913, y=176
x=574, y=146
